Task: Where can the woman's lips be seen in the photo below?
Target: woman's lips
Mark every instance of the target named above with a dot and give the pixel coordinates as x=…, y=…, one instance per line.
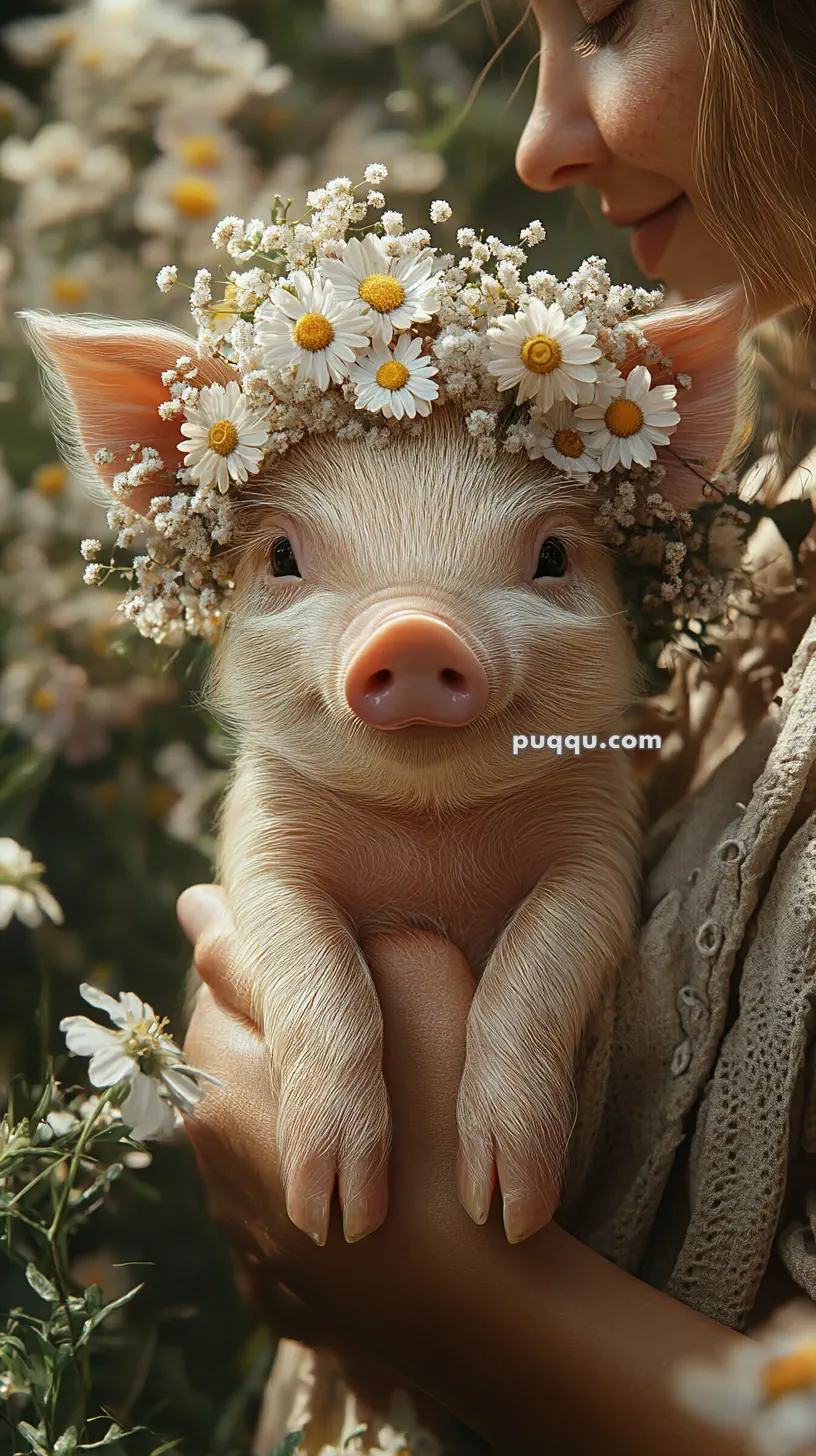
x=651, y=237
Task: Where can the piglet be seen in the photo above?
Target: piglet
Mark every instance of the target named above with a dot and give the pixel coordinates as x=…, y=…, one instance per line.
x=397, y=618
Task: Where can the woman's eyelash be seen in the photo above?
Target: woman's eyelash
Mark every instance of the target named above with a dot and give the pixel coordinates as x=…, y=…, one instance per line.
x=602, y=33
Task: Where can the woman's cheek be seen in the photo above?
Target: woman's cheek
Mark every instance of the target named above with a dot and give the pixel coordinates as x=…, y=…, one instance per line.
x=648, y=91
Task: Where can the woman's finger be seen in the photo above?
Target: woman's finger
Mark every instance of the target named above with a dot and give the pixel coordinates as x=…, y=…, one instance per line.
x=204, y=918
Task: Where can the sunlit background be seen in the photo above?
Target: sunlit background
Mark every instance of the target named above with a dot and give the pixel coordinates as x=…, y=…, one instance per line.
x=129, y=127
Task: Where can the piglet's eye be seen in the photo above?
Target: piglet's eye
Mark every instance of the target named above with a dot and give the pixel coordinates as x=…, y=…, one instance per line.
x=282, y=558
x=552, y=560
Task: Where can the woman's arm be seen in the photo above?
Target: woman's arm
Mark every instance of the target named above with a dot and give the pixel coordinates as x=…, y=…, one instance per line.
x=543, y=1341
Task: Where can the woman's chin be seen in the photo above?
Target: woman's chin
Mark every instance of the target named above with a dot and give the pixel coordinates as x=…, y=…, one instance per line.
x=695, y=264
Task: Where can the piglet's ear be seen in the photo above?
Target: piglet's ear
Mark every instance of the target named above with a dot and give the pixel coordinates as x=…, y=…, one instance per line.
x=103, y=382
x=701, y=340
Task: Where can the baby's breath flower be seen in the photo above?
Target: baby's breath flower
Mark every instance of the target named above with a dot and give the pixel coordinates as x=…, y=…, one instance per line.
x=441, y=211
x=90, y=547
x=166, y=277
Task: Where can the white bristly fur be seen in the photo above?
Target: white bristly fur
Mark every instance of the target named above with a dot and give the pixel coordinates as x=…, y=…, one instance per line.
x=333, y=829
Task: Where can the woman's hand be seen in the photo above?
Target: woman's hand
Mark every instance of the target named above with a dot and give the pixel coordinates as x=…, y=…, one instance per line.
x=516, y=1340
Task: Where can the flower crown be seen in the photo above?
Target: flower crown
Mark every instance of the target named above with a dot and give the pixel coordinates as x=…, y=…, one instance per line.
x=364, y=332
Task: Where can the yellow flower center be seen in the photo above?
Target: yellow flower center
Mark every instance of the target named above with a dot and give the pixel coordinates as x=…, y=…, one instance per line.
x=541, y=354
x=222, y=437
x=788, y=1373
x=623, y=418
x=43, y=700
x=569, y=443
x=382, y=292
x=196, y=197
x=201, y=151
x=392, y=375
x=313, y=332
x=91, y=58
x=50, y=479
x=66, y=288
x=159, y=800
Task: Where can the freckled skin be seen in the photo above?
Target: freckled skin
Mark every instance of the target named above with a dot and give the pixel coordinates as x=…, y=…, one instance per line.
x=623, y=122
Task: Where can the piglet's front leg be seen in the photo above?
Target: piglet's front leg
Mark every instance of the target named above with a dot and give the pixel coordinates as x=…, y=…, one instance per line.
x=516, y=1104
x=314, y=998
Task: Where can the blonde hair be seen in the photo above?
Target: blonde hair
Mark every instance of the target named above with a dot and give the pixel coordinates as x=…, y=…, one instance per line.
x=756, y=139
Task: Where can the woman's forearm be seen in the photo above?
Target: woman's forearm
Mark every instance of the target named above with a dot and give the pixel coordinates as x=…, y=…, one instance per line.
x=541, y=1346
x=544, y=1347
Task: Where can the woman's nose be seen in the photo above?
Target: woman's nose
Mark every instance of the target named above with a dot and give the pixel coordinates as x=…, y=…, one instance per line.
x=561, y=144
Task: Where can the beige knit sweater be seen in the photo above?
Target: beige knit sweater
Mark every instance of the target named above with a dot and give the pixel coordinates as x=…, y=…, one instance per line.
x=698, y=1103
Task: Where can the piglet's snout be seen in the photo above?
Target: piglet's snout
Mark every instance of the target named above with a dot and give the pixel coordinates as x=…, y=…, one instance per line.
x=414, y=668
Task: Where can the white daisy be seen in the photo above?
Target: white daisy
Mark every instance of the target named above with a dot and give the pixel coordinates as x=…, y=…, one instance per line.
x=628, y=430
x=555, y=437
x=136, y=1050
x=606, y=387
x=397, y=382
x=394, y=292
x=767, y=1388
x=546, y=354
x=21, y=890
x=226, y=439
x=312, y=329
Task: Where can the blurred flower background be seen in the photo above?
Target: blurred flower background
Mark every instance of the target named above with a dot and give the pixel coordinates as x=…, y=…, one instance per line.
x=127, y=129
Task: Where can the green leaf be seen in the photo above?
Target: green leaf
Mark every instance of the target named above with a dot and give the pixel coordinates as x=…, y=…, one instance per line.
x=35, y=1438
x=113, y=1433
x=97, y=1319
x=23, y=772
x=289, y=1444
x=41, y=1285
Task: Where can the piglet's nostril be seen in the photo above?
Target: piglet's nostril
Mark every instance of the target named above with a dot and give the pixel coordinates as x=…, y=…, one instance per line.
x=414, y=668
x=380, y=680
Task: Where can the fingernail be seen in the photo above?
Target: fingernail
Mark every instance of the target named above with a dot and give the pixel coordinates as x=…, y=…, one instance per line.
x=472, y=1196
x=197, y=907
x=522, y=1217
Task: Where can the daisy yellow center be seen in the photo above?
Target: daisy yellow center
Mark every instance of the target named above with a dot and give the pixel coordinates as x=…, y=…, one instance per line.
x=201, y=151
x=392, y=375
x=541, y=354
x=50, y=479
x=194, y=196
x=623, y=418
x=382, y=292
x=222, y=437
x=160, y=800
x=789, y=1373
x=569, y=443
x=313, y=331
x=42, y=700
x=65, y=288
